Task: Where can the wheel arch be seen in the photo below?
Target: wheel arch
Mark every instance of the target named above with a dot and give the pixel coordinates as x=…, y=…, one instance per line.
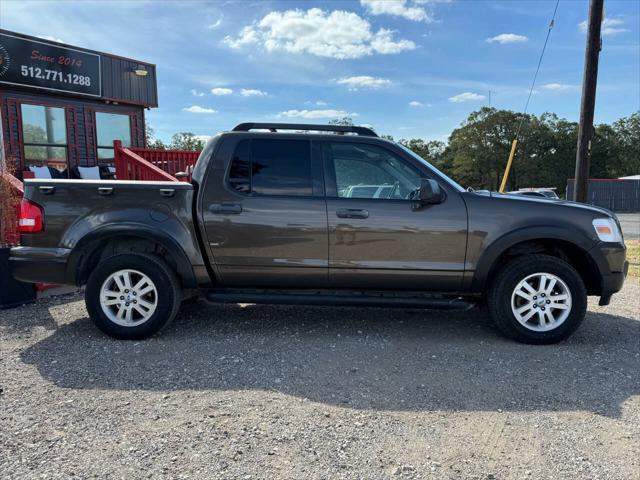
x=555, y=241
x=110, y=241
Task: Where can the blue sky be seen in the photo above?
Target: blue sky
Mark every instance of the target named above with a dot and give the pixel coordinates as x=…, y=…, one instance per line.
x=412, y=68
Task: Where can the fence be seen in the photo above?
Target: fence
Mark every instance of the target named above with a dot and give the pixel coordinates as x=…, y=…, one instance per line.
x=615, y=194
x=174, y=162
x=150, y=164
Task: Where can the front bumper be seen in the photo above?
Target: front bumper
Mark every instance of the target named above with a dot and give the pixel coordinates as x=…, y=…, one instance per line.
x=40, y=265
x=613, y=266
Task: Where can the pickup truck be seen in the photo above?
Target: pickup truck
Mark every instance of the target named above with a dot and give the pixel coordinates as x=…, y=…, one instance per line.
x=317, y=214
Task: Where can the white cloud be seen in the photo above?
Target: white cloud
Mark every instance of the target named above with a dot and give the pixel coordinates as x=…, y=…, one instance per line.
x=215, y=24
x=363, y=81
x=504, y=38
x=609, y=26
x=397, y=8
x=219, y=91
x=252, y=92
x=415, y=103
x=558, y=87
x=321, y=103
x=384, y=44
x=466, y=97
x=51, y=38
x=196, y=93
x=335, y=34
x=198, y=109
x=316, y=114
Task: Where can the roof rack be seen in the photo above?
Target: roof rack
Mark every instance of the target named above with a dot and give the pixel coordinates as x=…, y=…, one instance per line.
x=274, y=127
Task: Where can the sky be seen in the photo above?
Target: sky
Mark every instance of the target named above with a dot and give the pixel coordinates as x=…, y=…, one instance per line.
x=409, y=68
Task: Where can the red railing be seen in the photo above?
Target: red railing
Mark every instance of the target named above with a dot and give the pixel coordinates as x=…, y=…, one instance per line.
x=149, y=164
x=130, y=166
x=178, y=163
x=12, y=190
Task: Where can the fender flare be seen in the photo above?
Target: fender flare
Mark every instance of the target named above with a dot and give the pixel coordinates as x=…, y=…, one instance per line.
x=86, y=246
x=491, y=253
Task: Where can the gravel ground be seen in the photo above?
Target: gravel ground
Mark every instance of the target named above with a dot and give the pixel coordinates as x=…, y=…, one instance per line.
x=263, y=392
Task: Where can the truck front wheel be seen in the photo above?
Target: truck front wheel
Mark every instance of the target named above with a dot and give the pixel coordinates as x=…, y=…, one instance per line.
x=132, y=296
x=537, y=299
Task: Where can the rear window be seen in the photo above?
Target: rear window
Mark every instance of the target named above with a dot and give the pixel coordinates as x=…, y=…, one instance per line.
x=272, y=167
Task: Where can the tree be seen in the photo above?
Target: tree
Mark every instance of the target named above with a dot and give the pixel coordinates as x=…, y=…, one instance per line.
x=151, y=140
x=432, y=151
x=186, y=141
x=627, y=131
x=344, y=121
x=478, y=150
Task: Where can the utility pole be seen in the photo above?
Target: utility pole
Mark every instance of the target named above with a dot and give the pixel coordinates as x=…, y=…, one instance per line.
x=587, y=106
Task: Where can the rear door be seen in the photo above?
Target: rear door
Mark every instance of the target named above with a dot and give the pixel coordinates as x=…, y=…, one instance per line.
x=264, y=212
x=377, y=237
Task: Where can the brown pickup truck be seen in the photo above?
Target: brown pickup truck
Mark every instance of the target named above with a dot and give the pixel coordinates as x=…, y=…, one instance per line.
x=325, y=215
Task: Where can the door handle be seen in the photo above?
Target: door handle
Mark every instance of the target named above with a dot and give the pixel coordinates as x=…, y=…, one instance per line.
x=352, y=213
x=225, y=208
x=105, y=190
x=47, y=190
x=167, y=192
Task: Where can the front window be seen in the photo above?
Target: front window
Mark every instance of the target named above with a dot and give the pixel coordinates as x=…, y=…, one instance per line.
x=44, y=134
x=110, y=127
x=368, y=171
x=449, y=180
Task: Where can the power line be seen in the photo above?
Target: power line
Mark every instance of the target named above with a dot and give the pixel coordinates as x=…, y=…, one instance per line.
x=535, y=76
x=512, y=153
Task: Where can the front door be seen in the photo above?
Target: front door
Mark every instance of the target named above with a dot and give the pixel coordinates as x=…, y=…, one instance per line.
x=266, y=220
x=377, y=238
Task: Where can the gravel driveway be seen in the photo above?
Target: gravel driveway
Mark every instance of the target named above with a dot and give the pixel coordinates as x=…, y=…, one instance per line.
x=266, y=392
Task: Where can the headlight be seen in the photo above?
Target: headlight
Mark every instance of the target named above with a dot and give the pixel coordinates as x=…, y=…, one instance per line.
x=607, y=230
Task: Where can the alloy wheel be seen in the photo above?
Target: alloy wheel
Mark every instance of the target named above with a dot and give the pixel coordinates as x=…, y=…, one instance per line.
x=541, y=302
x=128, y=298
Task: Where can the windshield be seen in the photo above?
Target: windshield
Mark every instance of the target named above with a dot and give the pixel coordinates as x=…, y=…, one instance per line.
x=452, y=182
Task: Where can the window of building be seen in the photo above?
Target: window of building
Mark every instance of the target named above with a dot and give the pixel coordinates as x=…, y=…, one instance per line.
x=368, y=171
x=110, y=127
x=272, y=167
x=44, y=134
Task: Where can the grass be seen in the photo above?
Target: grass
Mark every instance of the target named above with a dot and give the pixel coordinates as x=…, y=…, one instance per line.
x=633, y=255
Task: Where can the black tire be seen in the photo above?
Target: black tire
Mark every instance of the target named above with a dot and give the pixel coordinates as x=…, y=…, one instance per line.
x=168, y=295
x=504, y=283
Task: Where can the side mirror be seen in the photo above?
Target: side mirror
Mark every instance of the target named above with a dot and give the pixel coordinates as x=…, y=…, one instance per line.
x=430, y=192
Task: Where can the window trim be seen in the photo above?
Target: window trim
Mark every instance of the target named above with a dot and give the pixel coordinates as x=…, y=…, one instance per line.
x=317, y=180
x=23, y=144
x=93, y=111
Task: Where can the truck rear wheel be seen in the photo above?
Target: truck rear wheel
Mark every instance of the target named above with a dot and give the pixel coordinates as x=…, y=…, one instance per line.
x=537, y=299
x=132, y=296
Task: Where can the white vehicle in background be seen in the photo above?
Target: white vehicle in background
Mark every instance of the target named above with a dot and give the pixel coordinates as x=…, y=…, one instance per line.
x=537, y=192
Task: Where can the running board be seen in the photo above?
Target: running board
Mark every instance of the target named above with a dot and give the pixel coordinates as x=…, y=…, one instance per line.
x=338, y=298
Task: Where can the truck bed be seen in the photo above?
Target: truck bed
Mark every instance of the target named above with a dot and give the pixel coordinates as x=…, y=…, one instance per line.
x=78, y=213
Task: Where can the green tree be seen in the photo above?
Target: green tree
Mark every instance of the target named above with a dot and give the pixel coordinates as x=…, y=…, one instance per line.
x=432, y=151
x=627, y=131
x=186, y=141
x=151, y=140
x=344, y=121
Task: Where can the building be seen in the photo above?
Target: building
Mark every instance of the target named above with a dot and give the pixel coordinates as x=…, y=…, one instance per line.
x=62, y=106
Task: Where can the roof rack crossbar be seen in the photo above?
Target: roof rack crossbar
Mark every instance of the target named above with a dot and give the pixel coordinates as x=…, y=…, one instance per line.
x=274, y=127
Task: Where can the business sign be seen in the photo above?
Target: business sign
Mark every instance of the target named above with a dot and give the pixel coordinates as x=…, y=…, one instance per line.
x=31, y=63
